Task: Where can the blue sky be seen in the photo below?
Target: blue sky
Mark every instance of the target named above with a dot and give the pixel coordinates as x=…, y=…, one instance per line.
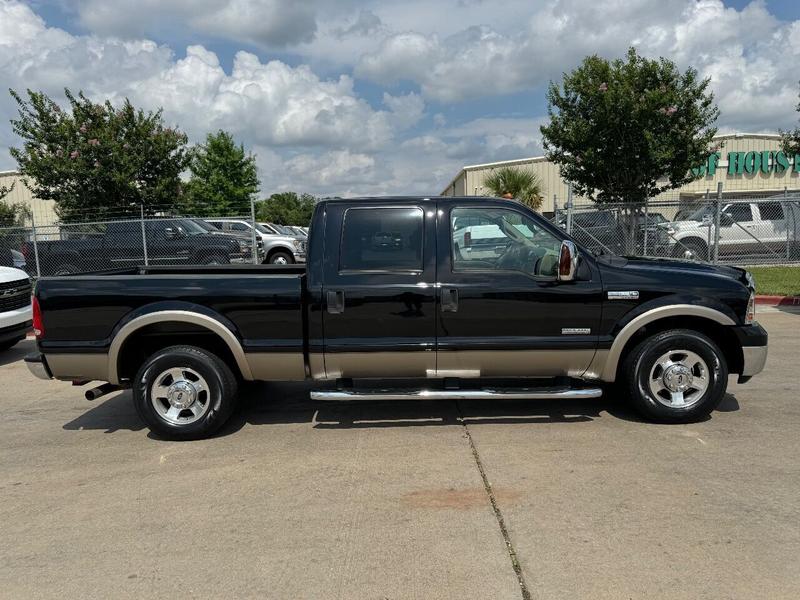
x=352, y=96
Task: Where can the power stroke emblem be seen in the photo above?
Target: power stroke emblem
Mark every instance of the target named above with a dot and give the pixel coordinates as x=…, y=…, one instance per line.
x=624, y=295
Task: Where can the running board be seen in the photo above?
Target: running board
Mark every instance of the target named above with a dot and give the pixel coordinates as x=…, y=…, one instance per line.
x=542, y=393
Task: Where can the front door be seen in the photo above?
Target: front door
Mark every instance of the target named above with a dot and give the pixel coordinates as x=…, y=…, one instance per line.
x=378, y=296
x=502, y=311
x=737, y=230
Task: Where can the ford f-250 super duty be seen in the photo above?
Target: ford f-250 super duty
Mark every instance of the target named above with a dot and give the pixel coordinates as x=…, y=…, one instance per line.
x=533, y=316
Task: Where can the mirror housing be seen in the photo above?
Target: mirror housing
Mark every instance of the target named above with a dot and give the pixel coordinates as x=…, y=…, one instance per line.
x=172, y=233
x=567, y=261
x=725, y=220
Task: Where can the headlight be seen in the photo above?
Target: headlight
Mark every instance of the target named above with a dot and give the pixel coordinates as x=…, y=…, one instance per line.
x=244, y=246
x=298, y=245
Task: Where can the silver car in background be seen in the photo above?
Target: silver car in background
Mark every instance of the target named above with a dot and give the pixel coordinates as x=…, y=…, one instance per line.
x=277, y=249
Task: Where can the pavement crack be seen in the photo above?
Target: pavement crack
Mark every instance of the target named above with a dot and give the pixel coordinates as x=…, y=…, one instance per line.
x=487, y=486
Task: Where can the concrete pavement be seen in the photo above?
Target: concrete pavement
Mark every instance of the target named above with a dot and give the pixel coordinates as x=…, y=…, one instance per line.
x=297, y=499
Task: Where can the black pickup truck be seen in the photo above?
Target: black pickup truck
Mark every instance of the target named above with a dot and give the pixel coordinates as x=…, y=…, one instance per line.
x=174, y=241
x=531, y=315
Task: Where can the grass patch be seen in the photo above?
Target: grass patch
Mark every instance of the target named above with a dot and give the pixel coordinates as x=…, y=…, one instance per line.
x=777, y=281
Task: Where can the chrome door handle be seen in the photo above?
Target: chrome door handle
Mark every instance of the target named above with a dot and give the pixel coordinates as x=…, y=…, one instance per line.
x=335, y=302
x=449, y=300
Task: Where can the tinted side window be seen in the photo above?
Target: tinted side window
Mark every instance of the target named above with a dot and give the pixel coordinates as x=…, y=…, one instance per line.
x=740, y=212
x=382, y=239
x=239, y=227
x=771, y=211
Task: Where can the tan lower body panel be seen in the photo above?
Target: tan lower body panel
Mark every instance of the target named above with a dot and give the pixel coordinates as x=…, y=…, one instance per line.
x=285, y=366
x=513, y=363
x=379, y=364
x=76, y=367
x=595, y=370
x=276, y=366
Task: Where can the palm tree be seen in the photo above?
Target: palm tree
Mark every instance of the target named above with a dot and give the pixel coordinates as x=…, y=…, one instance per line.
x=519, y=184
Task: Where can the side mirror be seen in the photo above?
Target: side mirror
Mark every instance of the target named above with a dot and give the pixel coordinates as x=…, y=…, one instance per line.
x=567, y=261
x=172, y=233
x=725, y=220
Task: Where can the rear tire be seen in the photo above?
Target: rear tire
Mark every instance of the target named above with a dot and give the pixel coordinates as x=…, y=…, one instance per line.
x=676, y=376
x=184, y=393
x=215, y=259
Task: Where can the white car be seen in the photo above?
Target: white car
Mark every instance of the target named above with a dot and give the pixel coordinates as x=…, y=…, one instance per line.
x=768, y=227
x=277, y=249
x=15, y=306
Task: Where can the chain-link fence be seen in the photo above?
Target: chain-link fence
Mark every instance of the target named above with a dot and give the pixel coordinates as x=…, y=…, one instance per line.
x=715, y=229
x=160, y=238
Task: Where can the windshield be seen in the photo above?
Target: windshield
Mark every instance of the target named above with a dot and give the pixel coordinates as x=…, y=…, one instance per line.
x=191, y=227
x=700, y=214
x=204, y=226
x=260, y=228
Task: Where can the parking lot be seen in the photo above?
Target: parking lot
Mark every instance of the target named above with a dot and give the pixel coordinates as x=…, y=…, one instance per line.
x=299, y=499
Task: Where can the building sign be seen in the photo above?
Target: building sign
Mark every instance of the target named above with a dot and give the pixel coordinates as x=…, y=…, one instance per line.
x=750, y=163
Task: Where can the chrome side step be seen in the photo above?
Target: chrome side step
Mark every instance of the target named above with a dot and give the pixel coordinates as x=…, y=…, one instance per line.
x=542, y=393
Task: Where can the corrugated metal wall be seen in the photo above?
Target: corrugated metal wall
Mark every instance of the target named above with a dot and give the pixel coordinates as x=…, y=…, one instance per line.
x=473, y=177
x=43, y=210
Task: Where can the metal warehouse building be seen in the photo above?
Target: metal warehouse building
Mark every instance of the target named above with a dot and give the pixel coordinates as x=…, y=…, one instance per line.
x=42, y=210
x=746, y=164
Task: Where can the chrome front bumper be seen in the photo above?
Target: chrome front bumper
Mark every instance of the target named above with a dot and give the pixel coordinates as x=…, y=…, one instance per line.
x=38, y=366
x=755, y=357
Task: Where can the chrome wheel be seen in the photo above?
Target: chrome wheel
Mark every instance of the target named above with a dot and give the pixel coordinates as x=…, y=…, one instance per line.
x=180, y=395
x=679, y=378
x=280, y=260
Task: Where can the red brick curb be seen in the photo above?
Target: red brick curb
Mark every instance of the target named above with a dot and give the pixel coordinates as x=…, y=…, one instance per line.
x=777, y=300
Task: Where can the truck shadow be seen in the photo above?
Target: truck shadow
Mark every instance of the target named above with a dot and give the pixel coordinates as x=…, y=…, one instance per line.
x=289, y=403
x=17, y=353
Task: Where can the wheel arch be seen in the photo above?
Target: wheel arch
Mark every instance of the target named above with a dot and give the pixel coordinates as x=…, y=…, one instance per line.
x=214, y=327
x=275, y=249
x=709, y=321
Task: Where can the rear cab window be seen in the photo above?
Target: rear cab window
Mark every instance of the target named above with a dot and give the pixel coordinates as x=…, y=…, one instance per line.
x=382, y=239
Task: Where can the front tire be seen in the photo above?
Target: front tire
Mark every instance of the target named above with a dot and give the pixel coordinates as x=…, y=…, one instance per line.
x=184, y=393
x=692, y=249
x=281, y=258
x=676, y=376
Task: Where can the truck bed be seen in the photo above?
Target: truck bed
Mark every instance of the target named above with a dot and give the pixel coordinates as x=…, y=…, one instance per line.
x=261, y=304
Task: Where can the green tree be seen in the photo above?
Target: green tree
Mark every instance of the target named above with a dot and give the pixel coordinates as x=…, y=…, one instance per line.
x=224, y=178
x=286, y=208
x=790, y=140
x=97, y=161
x=627, y=130
x=13, y=215
x=520, y=184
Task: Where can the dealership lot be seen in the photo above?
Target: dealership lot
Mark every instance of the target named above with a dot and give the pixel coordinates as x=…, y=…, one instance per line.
x=299, y=499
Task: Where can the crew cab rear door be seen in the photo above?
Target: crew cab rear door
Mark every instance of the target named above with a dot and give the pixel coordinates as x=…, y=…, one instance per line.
x=378, y=296
x=502, y=311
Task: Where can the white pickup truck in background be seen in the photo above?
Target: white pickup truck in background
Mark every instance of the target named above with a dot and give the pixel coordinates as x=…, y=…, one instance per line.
x=746, y=228
x=15, y=306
